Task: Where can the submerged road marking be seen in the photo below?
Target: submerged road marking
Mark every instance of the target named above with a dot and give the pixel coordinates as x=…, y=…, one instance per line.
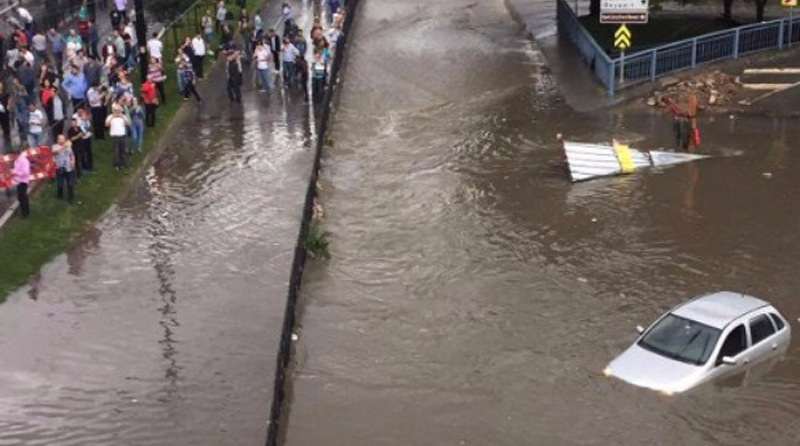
x=772, y=71
x=767, y=86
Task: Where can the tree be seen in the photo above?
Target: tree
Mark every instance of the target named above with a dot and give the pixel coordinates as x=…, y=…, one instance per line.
x=166, y=10
x=728, y=13
x=760, y=10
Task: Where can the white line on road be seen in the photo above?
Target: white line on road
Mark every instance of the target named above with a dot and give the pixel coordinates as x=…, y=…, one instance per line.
x=767, y=86
x=772, y=71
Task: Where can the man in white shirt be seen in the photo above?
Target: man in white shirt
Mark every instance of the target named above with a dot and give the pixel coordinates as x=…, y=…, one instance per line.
x=27, y=21
x=155, y=47
x=199, y=49
x=222, y=15
x=35, y=124
x=117, y=124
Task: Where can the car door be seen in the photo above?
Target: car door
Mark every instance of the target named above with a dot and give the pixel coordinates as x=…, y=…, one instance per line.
x=735, y=344
x=762, y=337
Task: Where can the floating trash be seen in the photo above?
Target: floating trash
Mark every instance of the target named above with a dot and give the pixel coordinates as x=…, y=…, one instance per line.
x=589, y=161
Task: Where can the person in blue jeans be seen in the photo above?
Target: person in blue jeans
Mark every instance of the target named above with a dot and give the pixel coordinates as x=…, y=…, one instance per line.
x=137, y=124
x=290, y=53
x=65, y=168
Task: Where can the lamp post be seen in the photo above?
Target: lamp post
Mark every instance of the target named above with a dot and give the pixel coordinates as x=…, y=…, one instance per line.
x=141, y=38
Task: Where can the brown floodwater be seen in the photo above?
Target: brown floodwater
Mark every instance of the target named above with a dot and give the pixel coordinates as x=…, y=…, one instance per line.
x=161, y=325
x=474, y=294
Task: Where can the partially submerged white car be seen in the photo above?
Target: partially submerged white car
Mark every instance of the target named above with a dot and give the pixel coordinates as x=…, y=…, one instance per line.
x=706, y=338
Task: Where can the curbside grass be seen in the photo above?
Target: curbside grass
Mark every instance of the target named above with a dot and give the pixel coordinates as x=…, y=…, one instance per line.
x=53, y=225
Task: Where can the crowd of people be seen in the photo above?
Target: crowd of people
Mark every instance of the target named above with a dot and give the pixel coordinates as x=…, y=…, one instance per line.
x=64, y=90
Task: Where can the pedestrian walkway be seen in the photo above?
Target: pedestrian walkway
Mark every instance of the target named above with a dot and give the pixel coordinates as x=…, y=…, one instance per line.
x=181, y=287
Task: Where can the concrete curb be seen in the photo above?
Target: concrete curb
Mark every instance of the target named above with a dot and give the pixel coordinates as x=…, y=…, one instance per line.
x=285, y=350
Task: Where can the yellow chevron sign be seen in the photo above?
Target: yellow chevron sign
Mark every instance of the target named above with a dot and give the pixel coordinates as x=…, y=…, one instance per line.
x=622, y=37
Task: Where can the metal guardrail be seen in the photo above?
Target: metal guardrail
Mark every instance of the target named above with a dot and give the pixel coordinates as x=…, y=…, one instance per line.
x=645, y=66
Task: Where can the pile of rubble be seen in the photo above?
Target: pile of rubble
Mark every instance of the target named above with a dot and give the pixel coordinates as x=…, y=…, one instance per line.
x=713, y=89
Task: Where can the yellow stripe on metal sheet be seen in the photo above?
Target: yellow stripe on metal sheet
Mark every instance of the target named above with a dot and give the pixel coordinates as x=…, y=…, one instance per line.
x=623, y=153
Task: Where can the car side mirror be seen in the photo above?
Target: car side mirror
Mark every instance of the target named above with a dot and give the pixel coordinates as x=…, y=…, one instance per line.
x=728, y=360
x=640, y=329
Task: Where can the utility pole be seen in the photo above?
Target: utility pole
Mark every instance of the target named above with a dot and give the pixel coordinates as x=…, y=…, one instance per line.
x=141, y=38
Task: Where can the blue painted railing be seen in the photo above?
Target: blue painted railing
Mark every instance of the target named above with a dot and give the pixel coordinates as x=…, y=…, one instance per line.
x=646, y=66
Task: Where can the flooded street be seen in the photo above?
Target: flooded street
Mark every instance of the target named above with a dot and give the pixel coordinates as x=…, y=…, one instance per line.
x=474, y=295
x=161, y=326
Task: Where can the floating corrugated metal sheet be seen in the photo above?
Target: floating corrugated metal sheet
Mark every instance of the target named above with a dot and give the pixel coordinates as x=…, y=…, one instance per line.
x=588, y=161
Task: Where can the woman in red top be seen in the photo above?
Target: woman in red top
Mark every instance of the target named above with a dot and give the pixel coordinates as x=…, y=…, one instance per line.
x=148, y=92
x=46, y=96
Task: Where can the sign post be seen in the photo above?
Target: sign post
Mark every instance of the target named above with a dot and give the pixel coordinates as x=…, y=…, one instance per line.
x=623, y=12
x=622, y=40
x=790, y=4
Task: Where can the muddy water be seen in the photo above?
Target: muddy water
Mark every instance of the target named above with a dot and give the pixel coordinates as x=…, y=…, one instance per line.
x=161, y=326
x=474, y=295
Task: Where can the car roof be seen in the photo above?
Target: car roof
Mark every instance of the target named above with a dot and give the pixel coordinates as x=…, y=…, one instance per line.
x=719, y=309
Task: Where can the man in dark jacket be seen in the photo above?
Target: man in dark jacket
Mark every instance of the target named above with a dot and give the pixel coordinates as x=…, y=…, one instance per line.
x=234, y=70
x=275, y=46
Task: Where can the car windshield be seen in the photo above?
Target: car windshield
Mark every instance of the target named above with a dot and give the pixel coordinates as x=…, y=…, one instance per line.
x=681, y=339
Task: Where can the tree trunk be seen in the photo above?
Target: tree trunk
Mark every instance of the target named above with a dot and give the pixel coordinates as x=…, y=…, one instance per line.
x=760, y=10
x=594, y=8
x=728, y=13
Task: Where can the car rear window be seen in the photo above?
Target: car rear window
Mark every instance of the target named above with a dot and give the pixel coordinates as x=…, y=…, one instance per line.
x=778, y=321
x=761, y=328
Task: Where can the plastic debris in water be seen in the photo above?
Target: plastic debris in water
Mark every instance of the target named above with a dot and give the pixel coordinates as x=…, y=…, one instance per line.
x=589, y=161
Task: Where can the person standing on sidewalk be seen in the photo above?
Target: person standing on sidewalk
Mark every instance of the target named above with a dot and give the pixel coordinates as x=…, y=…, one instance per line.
x=65, y=168
x=117, y=125
x=262, y=56
x=150, y=101
x=75, y=84
x=97, y=97
x=58, y=114
x=188, y=77
x=93, y=36
x=39, y=45
x=290, y=54
x=155, y=47
x=57, y=46
x=275, y=47
x=198, y=54
x=137, y=124
x=155, y=74
x=222, y=15
x=85, y=124
x=21, y=177
x=319, y=76
x=27, y=21
x=5, y=117
x=36, y=123
x=207, y=24
x=235, y=77
x=74, y=136
x=122, y=8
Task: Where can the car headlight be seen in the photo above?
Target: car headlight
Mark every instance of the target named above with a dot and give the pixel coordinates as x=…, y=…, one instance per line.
x=607, y=371
x=667, y=392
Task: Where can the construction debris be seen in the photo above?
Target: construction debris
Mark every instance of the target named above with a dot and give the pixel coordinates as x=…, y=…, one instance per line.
x=713, y=89
x=589, y=161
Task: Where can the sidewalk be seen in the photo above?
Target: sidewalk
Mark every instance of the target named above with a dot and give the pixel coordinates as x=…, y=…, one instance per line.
x=578, y=85
x=8, y=204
